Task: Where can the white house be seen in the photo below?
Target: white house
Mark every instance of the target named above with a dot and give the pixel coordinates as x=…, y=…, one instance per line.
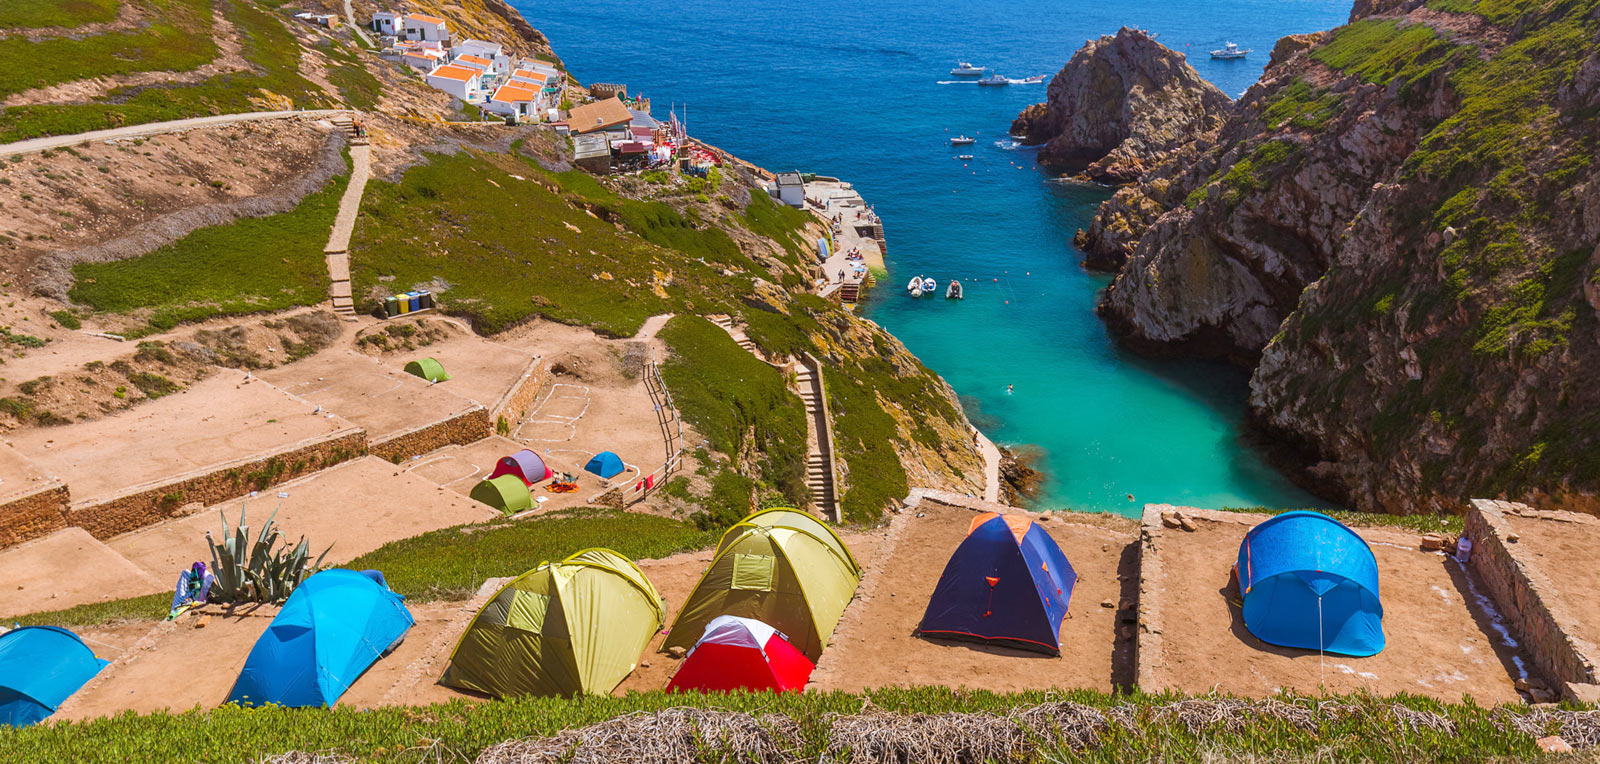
x=459, y=81
x=481, y=48
x=532, y=79
x=511, y=98
x=387, y=23
x=472, y=62
x=424, y=60
x=423, y=27
x=791, y=189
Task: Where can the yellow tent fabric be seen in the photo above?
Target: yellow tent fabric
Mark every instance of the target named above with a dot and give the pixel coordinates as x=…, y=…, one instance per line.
x=780, y=566
x=506, y=493
x=573, y=627
x=428, y=368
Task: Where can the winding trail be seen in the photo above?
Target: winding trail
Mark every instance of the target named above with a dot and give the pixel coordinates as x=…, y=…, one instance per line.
x=350, y=18
x=157, y=128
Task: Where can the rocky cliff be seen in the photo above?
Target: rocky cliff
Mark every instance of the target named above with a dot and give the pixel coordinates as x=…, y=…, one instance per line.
x=1120, y=105
x=1397, y=227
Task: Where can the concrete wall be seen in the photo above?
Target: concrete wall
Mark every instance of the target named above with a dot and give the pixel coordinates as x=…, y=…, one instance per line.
x=153, y=502
x=34, y=514
x=467, y=427
x=1527, y=600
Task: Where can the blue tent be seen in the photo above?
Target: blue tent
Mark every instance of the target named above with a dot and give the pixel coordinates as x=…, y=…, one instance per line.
x=1008, y=582
x=41, y=666
x=605, y=464
x=1310, y=582
x=335, y=625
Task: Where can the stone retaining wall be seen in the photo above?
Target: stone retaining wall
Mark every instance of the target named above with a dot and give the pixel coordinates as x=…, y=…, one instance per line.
x=153, y=502
x=34, y=514
x=516, y=401
x=1527, y=600
x=469, y=426
x=1147, y=637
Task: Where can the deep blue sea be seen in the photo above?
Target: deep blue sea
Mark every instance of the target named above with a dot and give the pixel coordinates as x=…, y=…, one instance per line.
x=853, y=89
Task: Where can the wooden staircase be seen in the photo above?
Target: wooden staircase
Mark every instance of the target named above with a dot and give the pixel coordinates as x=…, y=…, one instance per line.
x=850, y=292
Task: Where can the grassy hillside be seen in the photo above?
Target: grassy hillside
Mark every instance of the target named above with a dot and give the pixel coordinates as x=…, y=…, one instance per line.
x=33, y=14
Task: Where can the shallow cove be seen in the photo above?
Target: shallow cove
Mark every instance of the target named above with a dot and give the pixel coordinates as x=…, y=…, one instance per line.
x=855, y=90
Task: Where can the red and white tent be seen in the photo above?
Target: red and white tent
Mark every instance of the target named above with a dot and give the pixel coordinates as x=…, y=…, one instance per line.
x=737, y=653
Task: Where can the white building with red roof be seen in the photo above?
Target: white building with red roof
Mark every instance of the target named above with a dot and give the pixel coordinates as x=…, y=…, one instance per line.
x=460, y=81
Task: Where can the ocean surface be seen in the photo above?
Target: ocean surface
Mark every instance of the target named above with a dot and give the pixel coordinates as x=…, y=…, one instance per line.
x=861, y=90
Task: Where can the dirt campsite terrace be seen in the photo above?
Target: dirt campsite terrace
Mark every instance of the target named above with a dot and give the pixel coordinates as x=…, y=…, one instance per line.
x=1442, y=640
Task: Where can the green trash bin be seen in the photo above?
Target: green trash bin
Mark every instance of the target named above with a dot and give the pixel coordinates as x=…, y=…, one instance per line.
x=391, y=307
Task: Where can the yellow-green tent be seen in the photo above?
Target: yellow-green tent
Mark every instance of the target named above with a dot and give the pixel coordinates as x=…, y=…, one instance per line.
x=506, y=493
x=427, y=368
x=779, y=566
x=565, y=628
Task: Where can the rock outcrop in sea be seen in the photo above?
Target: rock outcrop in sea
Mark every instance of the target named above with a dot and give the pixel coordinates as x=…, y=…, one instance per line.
x=1120, y=105
x=1396, y=229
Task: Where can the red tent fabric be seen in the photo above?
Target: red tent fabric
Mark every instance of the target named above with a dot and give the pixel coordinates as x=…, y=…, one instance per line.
x=525, y=465
x=742, y=653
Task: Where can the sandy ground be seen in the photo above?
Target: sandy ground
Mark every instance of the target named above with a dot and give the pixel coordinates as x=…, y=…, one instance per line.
x=66, y=569
x=220, y=419
x=675, y=577
x=460, y=468
x=480, y=370
x=356, y=507
x=19, y=476
x=1439, y=642
x=1561, y=545
x=874, y=646
x=384, y=401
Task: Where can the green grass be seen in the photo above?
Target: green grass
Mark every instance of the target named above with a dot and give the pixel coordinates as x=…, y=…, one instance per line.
x=1388, y=53
x=33, y=14
x=744, y=408
x=1300, y=105
x=1365, y=729
x=357, y=86
x=147, y=608
x=451, y=563
x=178, y=39
x=266, y=43
x=247, y=266
x=1420, y=523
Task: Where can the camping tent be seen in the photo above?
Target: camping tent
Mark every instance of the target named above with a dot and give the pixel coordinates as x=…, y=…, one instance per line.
x=565, y=628
x=779, y=566
x=335, y=625
x=506, y=493
x=742, y=653
x=605, y=464
x=1310, y=582
x=41, y=666
x=525, y=465
x=1008, y=582
x=428, y=369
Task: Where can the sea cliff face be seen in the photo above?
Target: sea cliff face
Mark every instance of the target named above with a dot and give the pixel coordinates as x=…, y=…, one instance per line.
x=1397, y=228
x=1120, y=105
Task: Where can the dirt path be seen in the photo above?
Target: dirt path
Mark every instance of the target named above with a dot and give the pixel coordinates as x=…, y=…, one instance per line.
x=155, y=128
x=337, y=252
x=350, y=17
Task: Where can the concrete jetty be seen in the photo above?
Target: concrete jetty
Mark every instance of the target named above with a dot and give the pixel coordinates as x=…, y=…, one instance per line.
x=855, y=228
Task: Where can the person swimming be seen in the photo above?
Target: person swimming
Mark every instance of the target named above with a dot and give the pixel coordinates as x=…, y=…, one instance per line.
x=1008, y=389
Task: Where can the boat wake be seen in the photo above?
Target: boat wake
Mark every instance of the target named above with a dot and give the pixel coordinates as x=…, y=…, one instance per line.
x=957, y=82
x=1007, y=144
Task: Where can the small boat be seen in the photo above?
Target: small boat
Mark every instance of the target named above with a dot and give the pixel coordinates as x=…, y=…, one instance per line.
x=963, y=140
x=1229, y=50
x=929, y=286
x=964, y=157
x=993, y=80
x=964, y=69
x=1034, y=80
x=953, y=292
x=915, y=287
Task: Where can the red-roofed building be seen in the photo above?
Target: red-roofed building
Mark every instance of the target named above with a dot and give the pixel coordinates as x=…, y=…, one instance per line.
x=511, y=99
x=420, y=26
x=459, y=81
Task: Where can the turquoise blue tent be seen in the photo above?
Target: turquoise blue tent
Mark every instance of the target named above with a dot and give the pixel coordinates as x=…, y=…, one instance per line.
x=334, y=626
x=1310, y=582
x=605, y=464
x=40, y=667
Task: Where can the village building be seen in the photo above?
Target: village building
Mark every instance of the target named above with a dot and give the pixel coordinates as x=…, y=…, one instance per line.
x=472, y=62
x=327, y=20
x=423, y=27
x=791, y=189
x=601, y=116
x=528, y=77
x=493, y=52
x=592, y=152
x=511, y=99
x=387, y=23
x=459, y=81
x=424, y=60
x=604, y=90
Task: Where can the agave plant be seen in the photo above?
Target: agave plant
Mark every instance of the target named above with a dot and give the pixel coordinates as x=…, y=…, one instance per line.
x=259, y=571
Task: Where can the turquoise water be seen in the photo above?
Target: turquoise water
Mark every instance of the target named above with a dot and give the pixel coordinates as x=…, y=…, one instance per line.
x=853, y=90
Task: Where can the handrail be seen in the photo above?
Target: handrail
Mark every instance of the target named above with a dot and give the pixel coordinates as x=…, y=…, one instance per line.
x=826, y=436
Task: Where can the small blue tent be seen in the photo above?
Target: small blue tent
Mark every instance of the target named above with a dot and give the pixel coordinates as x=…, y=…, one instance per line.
x=335, y=625
x=605, y=464
x=1310, y=582
x=1008, y=582
x=41, y=666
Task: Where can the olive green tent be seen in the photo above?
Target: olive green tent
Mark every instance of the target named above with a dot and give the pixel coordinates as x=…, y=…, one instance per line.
x=428, y=369
x=506, y=493
x=576, y=626
x=779, y=566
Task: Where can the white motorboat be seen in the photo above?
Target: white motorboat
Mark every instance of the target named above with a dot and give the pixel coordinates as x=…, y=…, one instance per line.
x=953, y=292
x=915, y=287
x=964, y=157
x=929, y=286
x=963, y=140
x=964, y=69
x=1230, y=50
x=1034, y=80
x=993, y=80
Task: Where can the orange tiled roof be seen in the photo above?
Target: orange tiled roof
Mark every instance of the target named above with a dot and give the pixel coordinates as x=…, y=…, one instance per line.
x=511, y=93
x=474, y=60
x=425, y=18
x=461, y=73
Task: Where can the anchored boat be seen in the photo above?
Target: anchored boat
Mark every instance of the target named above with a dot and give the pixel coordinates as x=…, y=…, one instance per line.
x=1229, y=50
x=953, y=292
x=964, y=69
x=963, y=140
x=915, y=287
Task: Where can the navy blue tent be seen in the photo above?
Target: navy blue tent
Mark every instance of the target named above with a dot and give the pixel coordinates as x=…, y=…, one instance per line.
x=605, y=464
x=1008, y=582
x=1310, y=582
x=41, y=666
x=335, y=625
